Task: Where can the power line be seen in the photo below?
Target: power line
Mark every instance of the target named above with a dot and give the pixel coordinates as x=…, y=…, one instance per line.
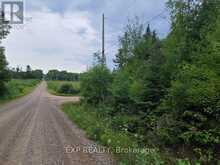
x=156, y=16
x=160, y=15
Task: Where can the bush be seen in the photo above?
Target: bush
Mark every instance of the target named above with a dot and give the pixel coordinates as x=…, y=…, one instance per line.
x=17, y=88
x=95, y=84
x=196, y=88
x=120, y=90
x=99, y=129
x=64, y=88
x=149, y=157
x=4, y=73
x=68, y=89
x=192, y=107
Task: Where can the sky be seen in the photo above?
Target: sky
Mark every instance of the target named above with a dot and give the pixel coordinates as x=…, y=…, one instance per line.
x=64, y=34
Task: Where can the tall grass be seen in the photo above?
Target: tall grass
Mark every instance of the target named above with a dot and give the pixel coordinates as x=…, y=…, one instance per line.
x=98, y=128
x=17, y=88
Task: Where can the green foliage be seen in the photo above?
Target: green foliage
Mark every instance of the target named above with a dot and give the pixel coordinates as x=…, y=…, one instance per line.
x=120, y=90
x=183, y=162
x=65, y=88
x=132, y=36
x=196, y=88
x=99, y=129
x=4, y=73
x=194, y=92
x=138, y=81
x=56, y=75
x=163, y=93
x=17, y=73
x=68, y=89
x=17, y=88
x=95, y=84
x=149, y=158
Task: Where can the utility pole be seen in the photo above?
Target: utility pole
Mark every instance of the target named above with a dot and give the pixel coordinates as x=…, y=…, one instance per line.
x=103, y=39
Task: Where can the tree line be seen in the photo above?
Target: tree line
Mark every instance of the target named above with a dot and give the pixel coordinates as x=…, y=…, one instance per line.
x=54, y=75
x=18, y=73
x=166, y=92
x=62, y=76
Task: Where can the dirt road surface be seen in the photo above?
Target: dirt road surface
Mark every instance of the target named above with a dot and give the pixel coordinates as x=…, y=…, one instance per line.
x=34, y=131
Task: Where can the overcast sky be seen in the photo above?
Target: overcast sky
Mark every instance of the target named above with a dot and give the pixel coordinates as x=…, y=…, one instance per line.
x=64, y=34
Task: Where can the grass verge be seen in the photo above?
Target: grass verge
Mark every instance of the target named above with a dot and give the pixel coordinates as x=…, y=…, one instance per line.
x=17, y=88
x=98, y=128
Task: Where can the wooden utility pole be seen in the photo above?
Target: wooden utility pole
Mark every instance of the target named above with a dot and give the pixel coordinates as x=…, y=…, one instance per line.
x=103, y=39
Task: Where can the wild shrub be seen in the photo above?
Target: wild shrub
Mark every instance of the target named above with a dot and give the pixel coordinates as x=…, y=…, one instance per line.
x=95, y=84
x=68, y=89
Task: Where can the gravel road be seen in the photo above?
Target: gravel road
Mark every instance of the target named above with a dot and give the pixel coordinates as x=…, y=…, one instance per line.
x=34, y=131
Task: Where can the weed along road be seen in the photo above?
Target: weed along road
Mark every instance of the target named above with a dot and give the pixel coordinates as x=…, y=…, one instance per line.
x=34, y=131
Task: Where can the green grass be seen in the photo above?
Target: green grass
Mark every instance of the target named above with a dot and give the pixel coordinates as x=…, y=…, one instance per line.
x=98, y=128
x=17, y=88
x=54, y=87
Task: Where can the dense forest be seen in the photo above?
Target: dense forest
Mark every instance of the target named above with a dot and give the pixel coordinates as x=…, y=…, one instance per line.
x=165, y=92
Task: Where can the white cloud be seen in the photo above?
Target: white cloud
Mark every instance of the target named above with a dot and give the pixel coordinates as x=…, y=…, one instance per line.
x=50, y=38
x=64, y=35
